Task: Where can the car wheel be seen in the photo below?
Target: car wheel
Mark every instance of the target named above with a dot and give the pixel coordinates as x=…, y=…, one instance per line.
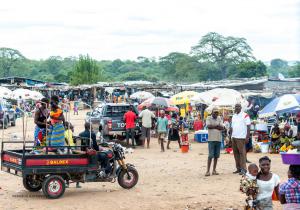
x=13, y=122
x=5, y=123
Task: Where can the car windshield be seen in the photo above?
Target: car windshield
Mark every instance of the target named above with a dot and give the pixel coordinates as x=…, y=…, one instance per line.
x=117, y=111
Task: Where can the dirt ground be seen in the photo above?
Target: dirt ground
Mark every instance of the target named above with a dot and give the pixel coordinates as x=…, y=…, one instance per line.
x=170, y=180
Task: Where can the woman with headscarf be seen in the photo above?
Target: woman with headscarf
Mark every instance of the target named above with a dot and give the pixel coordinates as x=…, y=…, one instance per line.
x=40, y=119
x=57, y=130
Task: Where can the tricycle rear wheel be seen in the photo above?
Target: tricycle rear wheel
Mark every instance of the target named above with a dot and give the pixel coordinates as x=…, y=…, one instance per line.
x=31, y=184
x=128, y=182
x=54, y=187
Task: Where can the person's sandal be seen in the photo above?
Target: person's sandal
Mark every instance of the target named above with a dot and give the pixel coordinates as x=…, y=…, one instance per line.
x=207, y=174
x=215, y=173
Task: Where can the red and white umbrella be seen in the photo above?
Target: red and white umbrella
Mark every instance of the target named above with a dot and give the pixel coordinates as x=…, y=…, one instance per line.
x=156, y=102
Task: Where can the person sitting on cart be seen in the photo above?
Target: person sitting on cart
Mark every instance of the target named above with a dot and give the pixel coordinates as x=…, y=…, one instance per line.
x=101, y=155
x=56, y=136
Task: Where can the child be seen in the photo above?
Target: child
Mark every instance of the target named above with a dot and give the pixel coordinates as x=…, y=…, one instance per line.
x=162, y=125
x=69, y=134
x=249, y=185
x=184, y=128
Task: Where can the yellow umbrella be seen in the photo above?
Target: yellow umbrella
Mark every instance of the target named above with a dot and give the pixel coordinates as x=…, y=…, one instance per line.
x=183, y=97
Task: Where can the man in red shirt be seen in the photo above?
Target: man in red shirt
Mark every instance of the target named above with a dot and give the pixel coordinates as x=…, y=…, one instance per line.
x=129, y=119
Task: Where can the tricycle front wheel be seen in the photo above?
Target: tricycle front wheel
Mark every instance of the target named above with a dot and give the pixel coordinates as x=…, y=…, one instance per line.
x=31, y=185
x=126, y=181
x=54, y=187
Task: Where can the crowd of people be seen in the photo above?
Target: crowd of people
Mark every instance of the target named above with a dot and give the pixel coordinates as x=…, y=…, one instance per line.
x=258, y=182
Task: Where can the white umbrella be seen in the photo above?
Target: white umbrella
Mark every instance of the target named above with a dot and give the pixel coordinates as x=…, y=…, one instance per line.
x=23, y=93
x=285, y=103
x=143, y=95
x=227, y=103
x=5, y=92
x=219, y=96
x=35, y=95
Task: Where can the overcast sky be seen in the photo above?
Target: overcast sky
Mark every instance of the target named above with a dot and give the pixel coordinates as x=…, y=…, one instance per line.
x=127, y=29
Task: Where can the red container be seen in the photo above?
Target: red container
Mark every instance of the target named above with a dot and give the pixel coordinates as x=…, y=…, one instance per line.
x=290, y=159
x=184, y=148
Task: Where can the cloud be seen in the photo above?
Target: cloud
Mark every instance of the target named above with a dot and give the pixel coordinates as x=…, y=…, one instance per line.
x=139, y=18
x=127, y=29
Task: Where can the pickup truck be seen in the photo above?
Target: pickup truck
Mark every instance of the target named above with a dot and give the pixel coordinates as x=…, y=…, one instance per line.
x=110, y=120
x=7, y=114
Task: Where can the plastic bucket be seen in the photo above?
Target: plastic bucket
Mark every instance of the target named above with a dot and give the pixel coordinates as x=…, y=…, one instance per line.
x=184, y=148
x=264, y=148
x=290, y=159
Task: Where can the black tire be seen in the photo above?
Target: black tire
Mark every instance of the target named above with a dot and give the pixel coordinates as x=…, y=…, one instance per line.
x=13, y=122
x=5, y=123
x=54, y=187
x=123, y=178
x=139, y=140
x=31, y=185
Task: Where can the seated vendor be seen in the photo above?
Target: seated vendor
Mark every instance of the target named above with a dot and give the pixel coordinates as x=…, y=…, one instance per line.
x=275, y=133
x=101, y=154
x=287, y=132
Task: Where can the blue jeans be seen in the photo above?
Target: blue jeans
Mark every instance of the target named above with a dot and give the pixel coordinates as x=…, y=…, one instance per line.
x=104, y=161
x=131, y=132
x=214, y=148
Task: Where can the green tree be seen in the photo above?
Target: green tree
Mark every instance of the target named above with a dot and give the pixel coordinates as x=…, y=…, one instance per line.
x=279, y=63
x=133, y=76
x=224, y=51
x=8, y=58
x=295, y=70
x=278, y=66
x=86, y=71
x=169, y=62
x=251, y=69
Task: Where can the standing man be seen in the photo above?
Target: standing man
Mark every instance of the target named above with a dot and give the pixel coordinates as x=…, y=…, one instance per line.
x=146, y=116
x=215, y=126
x=129, y=119
x=162, y=126
x=240, y=134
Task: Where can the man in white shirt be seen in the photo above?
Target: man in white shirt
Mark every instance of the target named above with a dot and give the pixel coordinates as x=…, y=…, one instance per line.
x=240, y=134
x=146, y=116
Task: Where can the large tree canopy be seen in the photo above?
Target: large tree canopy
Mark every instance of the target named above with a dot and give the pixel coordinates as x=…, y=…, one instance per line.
x=8, y=58
x=223, y=51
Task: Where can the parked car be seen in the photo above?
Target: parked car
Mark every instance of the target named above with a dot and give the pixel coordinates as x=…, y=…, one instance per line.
x=111, y=122
x=7, y=114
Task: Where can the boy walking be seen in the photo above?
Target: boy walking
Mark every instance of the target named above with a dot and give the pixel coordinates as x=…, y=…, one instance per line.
x=162, y=126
